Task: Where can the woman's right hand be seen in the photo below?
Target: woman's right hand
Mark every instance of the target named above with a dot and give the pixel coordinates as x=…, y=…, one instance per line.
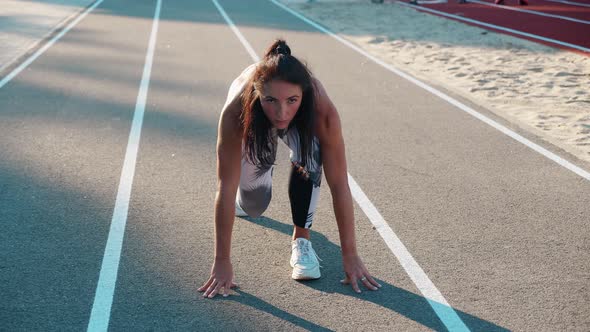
x=221, y=280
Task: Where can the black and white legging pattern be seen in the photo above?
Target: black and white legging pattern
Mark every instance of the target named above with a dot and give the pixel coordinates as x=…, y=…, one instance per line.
x=255, y=190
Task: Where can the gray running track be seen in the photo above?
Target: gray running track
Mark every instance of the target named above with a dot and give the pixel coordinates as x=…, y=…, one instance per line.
x=499, y=229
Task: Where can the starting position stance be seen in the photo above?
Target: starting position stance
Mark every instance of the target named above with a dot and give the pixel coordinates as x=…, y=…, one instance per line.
x=274, y=99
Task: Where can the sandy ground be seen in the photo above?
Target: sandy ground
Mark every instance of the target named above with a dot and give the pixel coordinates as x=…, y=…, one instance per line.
x=541, y=89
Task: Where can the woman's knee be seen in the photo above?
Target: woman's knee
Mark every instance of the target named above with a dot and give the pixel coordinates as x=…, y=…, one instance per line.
x=255, y=202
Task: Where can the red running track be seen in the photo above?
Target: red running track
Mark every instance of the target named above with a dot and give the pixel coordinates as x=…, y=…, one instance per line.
x=557, y=29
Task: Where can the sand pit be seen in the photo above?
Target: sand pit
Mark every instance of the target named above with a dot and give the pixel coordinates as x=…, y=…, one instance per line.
x=541, y=89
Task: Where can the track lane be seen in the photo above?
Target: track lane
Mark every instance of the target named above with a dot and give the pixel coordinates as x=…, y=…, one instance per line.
x=466, y=215
x=168, y=248
x=64, y=122
x=168, y=245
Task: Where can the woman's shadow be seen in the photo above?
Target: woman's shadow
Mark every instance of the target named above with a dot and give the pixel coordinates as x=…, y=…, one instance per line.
x=408, y=304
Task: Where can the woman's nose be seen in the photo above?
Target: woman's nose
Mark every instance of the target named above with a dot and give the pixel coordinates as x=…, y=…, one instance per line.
x=281, y=111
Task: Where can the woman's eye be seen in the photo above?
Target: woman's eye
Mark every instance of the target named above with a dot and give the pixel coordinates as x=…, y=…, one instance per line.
x=292, y=101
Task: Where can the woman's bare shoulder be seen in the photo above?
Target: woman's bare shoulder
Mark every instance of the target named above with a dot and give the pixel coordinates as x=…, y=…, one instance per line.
x=327, y=122
x=230, y=114
x=238, y=85
x=246, y=74
x=325, y=109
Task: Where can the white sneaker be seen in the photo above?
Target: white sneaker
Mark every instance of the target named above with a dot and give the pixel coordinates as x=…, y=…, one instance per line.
x=304, y=260
x=239, y=211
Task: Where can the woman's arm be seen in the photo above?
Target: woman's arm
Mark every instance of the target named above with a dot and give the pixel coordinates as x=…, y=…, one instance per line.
x=229, y=152
x=334, y=164
x=329, y=132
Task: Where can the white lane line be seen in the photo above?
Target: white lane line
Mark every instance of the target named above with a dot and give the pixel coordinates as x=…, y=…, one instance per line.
x=497, y=27
x=550, y=155
x=573, y=3
x=103, y=300
x=440, y=306
x=50, y=43
x=236, y=31
x=533, y=12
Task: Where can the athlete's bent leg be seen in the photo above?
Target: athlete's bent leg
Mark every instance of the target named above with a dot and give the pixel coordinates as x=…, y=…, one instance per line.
x=303, y=195
x=255, y=189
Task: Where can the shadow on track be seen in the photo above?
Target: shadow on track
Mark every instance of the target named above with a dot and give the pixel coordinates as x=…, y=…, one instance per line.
x=403, y=302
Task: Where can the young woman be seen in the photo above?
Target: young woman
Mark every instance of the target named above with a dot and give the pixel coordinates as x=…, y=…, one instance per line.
x=274, y=99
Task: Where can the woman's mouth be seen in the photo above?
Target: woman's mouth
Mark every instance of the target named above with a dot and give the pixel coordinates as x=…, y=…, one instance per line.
x=281, y=123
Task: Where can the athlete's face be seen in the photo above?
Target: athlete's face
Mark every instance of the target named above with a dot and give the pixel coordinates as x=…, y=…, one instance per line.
x=280, y=101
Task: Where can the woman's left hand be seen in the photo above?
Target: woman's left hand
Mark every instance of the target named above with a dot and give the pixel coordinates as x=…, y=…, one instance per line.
x=356, y=271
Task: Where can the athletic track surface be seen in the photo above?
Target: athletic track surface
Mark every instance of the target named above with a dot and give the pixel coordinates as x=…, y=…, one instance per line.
x=108, y=178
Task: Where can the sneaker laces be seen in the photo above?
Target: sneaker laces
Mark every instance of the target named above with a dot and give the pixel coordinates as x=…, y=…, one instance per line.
x=302, y=251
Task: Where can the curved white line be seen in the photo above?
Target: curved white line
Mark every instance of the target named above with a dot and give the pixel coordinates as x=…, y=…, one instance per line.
x=497, y=27
x=573, y=3
x=533, y=12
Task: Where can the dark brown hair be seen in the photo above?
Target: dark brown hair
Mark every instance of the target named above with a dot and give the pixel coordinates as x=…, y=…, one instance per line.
x=277, y=64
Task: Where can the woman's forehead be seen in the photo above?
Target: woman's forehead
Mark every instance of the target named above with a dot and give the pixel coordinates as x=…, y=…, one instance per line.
x=280, y=89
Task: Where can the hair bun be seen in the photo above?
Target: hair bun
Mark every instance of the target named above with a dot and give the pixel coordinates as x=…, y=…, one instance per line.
x=278, y=47
x=282, y=48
